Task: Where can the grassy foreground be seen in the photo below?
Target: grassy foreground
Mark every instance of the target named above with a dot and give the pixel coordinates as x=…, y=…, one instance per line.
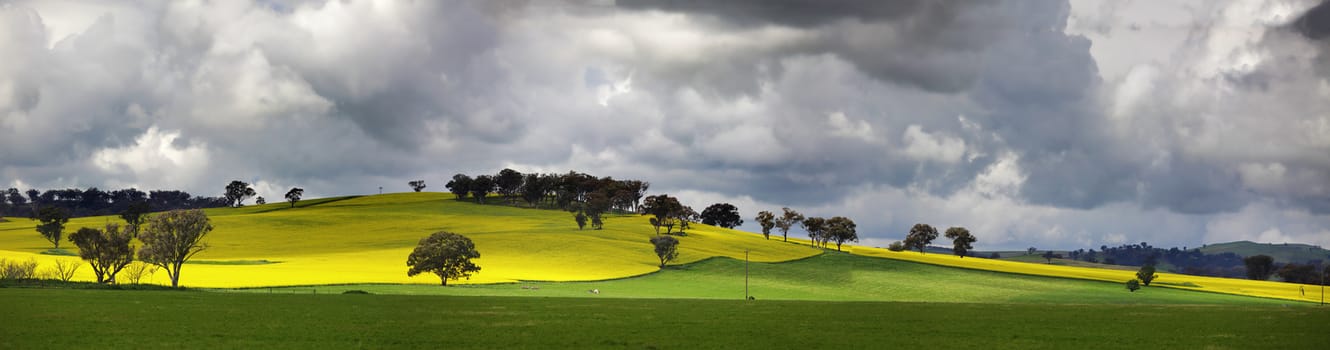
x=67, y=318
x=829, y=277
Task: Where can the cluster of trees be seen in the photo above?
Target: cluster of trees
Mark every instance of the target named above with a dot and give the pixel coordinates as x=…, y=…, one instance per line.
x=1261, y=267
x=821, y=231
x=1144, y=276
x=1180, y=260
x=588, y=197
x=168, y=240
x=93, y=201
x=921, y=235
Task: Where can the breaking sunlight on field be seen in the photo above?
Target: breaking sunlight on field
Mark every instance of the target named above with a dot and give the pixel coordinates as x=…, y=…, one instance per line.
x=1267, y=289
x=367, y=239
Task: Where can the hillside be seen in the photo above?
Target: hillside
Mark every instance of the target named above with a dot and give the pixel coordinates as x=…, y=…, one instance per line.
x=1281, y=252
x=366, y=240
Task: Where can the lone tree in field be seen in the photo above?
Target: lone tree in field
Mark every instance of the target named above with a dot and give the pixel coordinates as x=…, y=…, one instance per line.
x=920, y=236
x=1259, y=267
x=237, y=191
x=445, y=254
x=1133, y=285
x=417, y=185
x=134, y=215
x=960, y=240
x=667, y=248
x=722, y=214
x=294, y=194
x=260, y=201
x=52, y=225
x=787, y=220
x=841, y=229
x=767, y=221
x=1048, y=255
x=107, y=251
x=173, y=237
x=1146, y=274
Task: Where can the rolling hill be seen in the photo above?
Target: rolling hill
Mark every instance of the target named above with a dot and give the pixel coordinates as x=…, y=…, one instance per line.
x=1281, y=252
x=364, y=241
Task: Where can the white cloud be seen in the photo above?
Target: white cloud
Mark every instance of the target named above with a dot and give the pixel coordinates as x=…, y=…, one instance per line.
x=154, y=161
x=922, y=145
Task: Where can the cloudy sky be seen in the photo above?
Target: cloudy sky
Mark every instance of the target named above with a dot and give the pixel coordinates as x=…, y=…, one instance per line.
x=1032, y=123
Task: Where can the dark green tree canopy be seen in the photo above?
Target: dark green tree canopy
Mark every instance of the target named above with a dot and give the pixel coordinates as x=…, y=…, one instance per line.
x=445, y=254
x=1146, y=274
x=52, y=224
x=961, y=240
x=481, y=187
x=667, y=248
x=460, y=186
x=1259, y=267
x=665, y=211
x=1133, y=285
x=816, y=227
x=921, y=235
x=840, y=230
x=722, y=214
x=294, y=195
x=417, y=185
x=134, y=215
x=237, y=191
x=107, y=251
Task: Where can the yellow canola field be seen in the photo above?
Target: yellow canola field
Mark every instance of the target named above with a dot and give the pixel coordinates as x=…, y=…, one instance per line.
x=1268, y=289
x=367, y=240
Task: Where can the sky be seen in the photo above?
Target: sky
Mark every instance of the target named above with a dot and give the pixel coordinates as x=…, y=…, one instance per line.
x=1031, y=123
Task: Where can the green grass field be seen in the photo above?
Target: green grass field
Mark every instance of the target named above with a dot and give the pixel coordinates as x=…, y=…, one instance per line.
x=69, y=318
x=830, y=277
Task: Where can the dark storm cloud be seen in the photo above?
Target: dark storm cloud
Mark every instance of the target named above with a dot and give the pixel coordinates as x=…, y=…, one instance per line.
x=1315, y=23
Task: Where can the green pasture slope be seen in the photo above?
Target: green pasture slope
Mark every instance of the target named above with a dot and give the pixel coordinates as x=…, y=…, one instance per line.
x=116, y=319
x=832, y=276
x=1281, y=252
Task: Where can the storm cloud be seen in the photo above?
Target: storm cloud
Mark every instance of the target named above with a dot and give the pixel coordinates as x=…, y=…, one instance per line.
x=1030, y=122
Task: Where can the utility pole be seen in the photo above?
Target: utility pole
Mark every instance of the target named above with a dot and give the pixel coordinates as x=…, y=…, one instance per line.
x=380, y=189
x=746, y=277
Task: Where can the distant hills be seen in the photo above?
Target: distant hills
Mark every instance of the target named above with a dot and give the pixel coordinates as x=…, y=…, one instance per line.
x=1281, y=252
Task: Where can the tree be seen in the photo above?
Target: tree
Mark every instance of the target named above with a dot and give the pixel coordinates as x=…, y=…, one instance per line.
x=52, y=225
x=260, y=201
x=814, y=226
x=667, y=248
x=417, y=185
x=107, y=251
x=237, y=191
x=1146, y=274
x=920, y=236
x=460, y=186
x=580, y=217
x=841, y=229
x=1259, y=267
x=787, y=220
x=294, y=194
x=1133, y=285
x=896, y=246
x=722, y=214
x=481, y=186
x=508, y=181
x=1048, y=255
x=173, y=237
x=767, y=221
x=665, y=211
x=445, y=254
x=960, y=240
x=134, y=215
x=1031, y=250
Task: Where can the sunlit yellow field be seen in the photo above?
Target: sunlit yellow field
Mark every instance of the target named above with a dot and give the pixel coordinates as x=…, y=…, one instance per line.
x=1280, y=290
x=367, y=240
